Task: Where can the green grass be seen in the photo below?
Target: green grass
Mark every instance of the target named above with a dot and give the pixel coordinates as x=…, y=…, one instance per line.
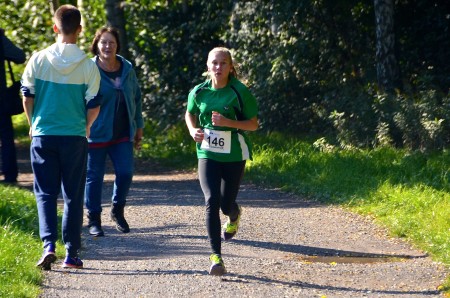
x=21, y=129
x=172, y=146
x=19, y=246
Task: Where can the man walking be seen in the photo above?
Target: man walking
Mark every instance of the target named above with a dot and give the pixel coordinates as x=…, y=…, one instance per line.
x=60, y=86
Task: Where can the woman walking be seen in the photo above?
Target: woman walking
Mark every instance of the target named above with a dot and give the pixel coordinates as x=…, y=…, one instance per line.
x=118, y=128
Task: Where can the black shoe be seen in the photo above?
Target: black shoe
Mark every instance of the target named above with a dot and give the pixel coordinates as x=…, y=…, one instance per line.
x=95, y=224
x=96, y=231
x=118, y=217
x=9, y=181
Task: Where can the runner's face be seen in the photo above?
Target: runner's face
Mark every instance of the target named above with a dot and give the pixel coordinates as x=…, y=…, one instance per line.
x=219, y=66
x=107, y=46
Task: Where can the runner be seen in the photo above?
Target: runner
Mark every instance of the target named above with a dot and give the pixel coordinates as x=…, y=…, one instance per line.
x=218, y=112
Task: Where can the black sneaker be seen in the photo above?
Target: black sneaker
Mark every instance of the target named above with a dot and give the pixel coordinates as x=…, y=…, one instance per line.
x=11, y=182
x=95, y=224
x=96, y=231
x=48, y=257
x=117, y=215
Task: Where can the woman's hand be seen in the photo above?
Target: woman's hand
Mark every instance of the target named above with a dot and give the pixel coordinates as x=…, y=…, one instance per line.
x=138, y=138
x=191, y=123
x=197, y=134
x=218, y=119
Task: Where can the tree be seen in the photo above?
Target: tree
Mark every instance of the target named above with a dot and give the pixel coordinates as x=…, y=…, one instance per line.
x=54, y=4
x=322, y=68
x=387, y=67
x=115, y=17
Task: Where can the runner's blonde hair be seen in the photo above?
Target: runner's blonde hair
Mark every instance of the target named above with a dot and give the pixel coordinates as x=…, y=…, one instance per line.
x=226, y=51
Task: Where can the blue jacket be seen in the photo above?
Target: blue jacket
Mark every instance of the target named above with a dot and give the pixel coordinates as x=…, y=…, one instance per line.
x=102, y=128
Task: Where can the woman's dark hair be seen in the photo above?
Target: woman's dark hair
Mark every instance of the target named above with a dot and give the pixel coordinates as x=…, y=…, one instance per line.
x=94, y=46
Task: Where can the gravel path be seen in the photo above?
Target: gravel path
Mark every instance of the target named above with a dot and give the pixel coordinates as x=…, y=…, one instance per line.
x=286, y=247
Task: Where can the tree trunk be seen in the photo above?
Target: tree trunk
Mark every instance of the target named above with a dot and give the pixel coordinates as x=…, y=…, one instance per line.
x=54, y=4
x=82, y=38
x=387, y=67
x=185, y=6
x=115, y=17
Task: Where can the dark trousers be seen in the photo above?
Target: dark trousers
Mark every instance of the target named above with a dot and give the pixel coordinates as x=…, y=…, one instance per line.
x=121, y=155
x=59, y=164
x=9, y=158
x=220, y=182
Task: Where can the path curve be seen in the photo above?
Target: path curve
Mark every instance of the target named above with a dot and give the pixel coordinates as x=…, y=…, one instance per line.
x=286, y=247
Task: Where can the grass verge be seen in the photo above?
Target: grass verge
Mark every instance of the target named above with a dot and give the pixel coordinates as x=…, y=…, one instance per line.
x=19, y=246
x=407, y=192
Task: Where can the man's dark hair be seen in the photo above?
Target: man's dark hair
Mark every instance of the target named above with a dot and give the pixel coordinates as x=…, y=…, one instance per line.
x=67, y=19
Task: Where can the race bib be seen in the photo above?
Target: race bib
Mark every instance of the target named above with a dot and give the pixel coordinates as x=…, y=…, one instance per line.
x=216, y=141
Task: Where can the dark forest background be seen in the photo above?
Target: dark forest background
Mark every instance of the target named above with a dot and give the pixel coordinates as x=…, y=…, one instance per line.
x=354, y=73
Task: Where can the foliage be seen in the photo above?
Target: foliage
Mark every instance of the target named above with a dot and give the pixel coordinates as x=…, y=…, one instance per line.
x=170, y=46
x=311, y=64
x=319, y=74
x=21, y=129
x=423, y=39
x=94, y=18
x=173, y=146
x=28, y=24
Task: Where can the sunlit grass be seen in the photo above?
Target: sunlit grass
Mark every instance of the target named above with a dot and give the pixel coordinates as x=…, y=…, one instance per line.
x=418, y=212
x=173, y=146
x=21, y=129
x=19, y=246
x=407, y=192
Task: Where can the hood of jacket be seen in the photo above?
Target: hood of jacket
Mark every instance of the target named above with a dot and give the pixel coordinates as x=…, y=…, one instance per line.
x=65, y=57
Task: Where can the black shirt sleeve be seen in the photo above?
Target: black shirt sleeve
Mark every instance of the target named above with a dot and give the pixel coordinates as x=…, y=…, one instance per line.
x=11, y=52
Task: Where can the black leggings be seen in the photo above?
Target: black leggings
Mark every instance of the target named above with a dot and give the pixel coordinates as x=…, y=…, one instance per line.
x=220, y=183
